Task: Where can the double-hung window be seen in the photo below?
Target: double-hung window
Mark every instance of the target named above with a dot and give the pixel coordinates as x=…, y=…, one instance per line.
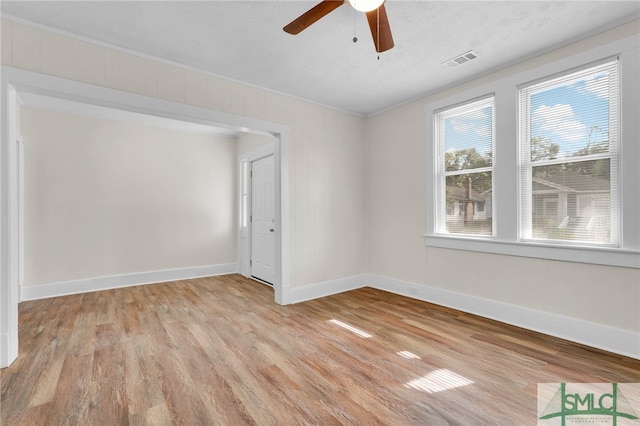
x=465, y=135
x=569, y=158
x=541, y=162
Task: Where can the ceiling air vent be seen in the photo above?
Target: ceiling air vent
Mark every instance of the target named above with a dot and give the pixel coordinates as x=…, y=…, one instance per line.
x=461, y=59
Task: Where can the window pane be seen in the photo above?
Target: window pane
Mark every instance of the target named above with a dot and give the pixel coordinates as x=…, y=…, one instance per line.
x=469, y=200
x=468, y=137
x=570, y=116
x=572, y=201
x=465, y=144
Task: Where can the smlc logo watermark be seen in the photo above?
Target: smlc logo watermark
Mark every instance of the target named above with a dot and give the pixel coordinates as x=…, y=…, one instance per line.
x=614, y=404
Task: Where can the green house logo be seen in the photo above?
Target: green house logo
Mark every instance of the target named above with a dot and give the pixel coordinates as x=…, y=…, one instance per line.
x=593, y=403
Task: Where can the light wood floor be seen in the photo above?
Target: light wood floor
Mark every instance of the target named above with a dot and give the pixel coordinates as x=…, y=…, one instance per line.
x=220, y=351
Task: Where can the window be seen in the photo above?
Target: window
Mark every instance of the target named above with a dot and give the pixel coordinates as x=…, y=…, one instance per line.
x=465, y=168
x=569, y=157
x=559, y=164
x=244, y=202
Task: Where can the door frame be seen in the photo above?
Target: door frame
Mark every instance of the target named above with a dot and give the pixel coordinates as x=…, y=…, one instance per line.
x=244, y=206
x=20, y=208
x=15, y=81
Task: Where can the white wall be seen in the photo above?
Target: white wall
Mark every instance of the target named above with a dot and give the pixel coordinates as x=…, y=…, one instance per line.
x=251, y=141
x=325, y=146
x=106, y=198
x=396, y=169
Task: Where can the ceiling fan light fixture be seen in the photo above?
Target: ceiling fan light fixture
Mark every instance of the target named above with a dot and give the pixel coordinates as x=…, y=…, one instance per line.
x=366, y=5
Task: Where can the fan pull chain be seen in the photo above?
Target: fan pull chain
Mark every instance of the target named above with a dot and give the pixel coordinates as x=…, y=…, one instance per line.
x=355, y=36
x=378, y=30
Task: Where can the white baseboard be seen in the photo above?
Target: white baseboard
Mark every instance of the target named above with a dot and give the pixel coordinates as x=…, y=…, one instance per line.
x=325, y=288
x=600, y=336
x=105, y=283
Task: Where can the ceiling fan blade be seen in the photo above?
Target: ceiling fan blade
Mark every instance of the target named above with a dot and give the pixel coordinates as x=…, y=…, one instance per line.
x=312, y=15
x=380, y=29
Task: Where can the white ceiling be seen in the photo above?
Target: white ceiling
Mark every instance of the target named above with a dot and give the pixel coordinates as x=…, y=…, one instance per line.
x=244, y=41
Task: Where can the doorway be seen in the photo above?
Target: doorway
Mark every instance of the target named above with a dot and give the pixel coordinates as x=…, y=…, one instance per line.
x=17, y=83
x=262, y=220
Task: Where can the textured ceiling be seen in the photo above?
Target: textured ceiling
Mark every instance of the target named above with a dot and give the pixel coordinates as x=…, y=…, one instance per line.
x=244, y=41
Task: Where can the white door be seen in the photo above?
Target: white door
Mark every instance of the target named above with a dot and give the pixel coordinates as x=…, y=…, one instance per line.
x=262, y=220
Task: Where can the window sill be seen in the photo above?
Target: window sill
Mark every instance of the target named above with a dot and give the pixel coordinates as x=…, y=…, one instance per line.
x=581, y=254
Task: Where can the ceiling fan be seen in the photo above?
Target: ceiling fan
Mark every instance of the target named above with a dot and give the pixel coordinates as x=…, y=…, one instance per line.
x=376, y=15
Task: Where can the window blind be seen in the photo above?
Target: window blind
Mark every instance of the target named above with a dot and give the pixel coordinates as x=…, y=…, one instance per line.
x=465, y=171
x=569, y=157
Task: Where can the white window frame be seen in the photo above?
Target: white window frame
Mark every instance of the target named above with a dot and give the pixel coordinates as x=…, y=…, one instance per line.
x=613, y=154
x=441, y=209
x=506, y=159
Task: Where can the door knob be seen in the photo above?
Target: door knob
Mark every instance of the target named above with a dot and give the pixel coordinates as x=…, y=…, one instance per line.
x=271, y=230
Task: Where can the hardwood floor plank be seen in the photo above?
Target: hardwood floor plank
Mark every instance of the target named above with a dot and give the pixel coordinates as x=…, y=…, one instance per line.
x=52, y=356
x=148, y=372
x=135, y=384
x=107, y=402
x=158, y=415
x=205, y=380
x=74, y=385
x=219, y=351
x=82, y=340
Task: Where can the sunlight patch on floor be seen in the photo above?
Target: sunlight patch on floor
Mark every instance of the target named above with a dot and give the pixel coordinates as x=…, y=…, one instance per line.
x=408, y=355
x=438, y=381
x=351, y=328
